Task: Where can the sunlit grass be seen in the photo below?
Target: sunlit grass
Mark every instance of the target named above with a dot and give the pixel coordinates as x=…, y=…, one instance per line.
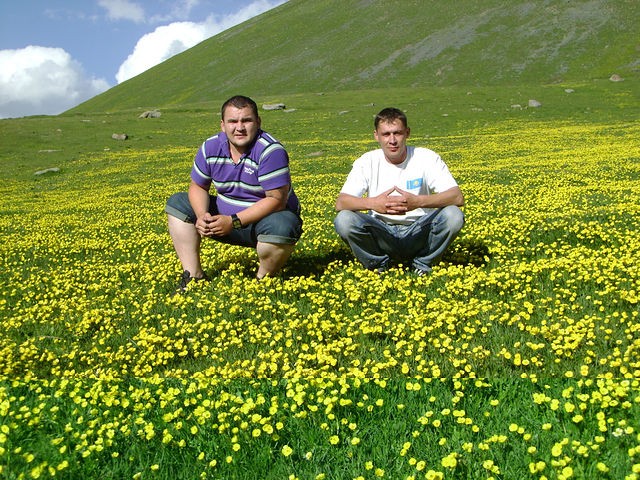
x=519, y=357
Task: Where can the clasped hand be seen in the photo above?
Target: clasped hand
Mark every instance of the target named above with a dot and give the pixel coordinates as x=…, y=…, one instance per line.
x=397, y=203
x=214, y=225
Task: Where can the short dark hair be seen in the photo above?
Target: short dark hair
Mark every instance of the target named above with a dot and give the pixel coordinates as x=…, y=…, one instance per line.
x=389, y=115
x=239, y=101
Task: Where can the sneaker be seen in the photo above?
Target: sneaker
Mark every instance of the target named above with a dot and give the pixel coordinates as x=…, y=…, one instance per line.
x=418, y=272
x=186, y=279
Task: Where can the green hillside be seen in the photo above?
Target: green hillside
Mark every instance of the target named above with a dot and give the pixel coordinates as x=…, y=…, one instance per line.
x=339, y=45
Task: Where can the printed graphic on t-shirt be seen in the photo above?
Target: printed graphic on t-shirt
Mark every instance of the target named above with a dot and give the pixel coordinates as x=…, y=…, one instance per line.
x=413, y=184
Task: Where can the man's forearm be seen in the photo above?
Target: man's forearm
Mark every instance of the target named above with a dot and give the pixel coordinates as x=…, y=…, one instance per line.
x=275, y=201
x=259, y=210
x=199, y=199
x=349, y=202
x=453, y=196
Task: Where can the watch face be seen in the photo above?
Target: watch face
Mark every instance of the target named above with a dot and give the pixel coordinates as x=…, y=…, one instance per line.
x=236, y=222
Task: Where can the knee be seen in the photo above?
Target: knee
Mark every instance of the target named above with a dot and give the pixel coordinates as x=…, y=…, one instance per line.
x=452, y=218
x=283, y=227
x=344, y=222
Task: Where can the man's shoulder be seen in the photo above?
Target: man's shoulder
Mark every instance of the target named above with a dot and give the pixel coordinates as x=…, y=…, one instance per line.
x=265, y=140
x=423, y=156
x=215, y=145
x=266, y=137
x=266, y=145
x=370, y=157
x=421, y=152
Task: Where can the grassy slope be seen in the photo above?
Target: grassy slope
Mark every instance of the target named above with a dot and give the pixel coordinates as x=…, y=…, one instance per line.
x=340, y=45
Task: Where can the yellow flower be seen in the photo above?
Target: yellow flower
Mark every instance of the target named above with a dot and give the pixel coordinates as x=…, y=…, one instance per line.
x=450, y=461
x=567, y=472
x=287, y=450
x=535, y=467
x=433, y=475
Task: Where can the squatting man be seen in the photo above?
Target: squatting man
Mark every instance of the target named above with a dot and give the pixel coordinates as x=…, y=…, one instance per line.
x=254, y=204
x=399, y=203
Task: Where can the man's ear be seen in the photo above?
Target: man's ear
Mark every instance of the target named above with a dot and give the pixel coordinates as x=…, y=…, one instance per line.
x=408, y=132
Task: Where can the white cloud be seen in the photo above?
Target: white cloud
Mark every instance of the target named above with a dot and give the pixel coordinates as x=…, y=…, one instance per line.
x=123, y=10
x=169, y=40
x=180, y=10
x=43, y=81
x=155, y=47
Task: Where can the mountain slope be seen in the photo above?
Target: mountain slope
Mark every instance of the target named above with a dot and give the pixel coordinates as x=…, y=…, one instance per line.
x=312, y=46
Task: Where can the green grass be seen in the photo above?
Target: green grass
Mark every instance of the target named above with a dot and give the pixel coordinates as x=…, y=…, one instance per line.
x=517, y=358
x=530, y=321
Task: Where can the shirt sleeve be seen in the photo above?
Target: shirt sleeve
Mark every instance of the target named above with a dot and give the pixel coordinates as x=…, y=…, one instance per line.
x=439, y=177
x=200, y=172
x=273, y=167
x=357, y=182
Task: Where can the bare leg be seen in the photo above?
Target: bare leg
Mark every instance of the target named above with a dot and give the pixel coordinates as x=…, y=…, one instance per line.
x=272, y=257
x=186, y=241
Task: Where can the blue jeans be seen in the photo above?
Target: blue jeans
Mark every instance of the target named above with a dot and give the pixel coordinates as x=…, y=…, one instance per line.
x=283, y=227
x=376, y=243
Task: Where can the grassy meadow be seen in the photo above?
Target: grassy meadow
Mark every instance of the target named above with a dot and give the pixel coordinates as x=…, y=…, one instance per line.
x=519, y=357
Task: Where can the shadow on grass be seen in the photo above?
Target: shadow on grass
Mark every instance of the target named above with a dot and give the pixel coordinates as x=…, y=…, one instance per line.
x=462, y=252
x=315, y=264
x=467, y=252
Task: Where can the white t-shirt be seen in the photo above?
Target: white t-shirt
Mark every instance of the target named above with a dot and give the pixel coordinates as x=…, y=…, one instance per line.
x=423, y=172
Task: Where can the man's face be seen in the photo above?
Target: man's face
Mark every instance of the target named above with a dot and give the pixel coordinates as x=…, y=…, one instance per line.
x=240, y=125
x=392, y=137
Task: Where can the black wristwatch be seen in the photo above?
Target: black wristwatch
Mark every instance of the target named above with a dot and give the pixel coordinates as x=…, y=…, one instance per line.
x=236, y=221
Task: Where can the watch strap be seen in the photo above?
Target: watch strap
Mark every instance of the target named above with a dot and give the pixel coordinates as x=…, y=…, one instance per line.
x=236, y=221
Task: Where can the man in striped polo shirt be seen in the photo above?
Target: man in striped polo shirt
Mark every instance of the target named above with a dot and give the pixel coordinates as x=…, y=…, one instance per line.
x=254, y=204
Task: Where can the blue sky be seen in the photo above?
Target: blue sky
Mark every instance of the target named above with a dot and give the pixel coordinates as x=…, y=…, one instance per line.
x=55, y=54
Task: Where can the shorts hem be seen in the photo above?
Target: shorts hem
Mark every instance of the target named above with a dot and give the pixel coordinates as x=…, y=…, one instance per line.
x=174, y=212
x=277, y=239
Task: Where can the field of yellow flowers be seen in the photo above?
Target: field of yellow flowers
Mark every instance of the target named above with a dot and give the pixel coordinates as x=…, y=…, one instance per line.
x=519, y=357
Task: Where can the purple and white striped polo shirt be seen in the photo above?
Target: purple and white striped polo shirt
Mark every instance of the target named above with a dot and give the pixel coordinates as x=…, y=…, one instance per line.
x=264, y=167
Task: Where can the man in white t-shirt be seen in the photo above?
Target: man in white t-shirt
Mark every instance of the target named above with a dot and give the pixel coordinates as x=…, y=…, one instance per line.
x=398, y=203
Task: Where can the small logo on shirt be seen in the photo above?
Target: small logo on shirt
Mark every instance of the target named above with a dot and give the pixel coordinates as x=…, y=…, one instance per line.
x=249, y=170
x=415, y=183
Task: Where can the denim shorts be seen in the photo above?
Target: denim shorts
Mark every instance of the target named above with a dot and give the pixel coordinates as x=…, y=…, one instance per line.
x=283, y=227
